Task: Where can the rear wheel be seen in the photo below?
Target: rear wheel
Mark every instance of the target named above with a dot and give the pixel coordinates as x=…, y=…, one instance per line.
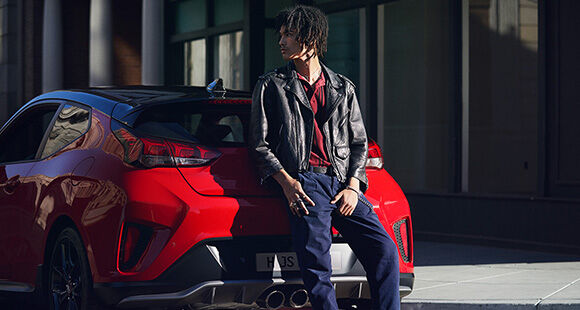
x=69, y=281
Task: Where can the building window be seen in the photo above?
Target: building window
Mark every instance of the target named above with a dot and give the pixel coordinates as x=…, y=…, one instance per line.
x=189, y=15
x=503, y=98
x=229, y=59
x=343, y=55
x=207, y=42
x=228, y=11
x=415, y=92
x=194, y=62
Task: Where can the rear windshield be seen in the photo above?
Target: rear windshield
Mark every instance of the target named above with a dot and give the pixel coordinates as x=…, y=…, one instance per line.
x=207, y=124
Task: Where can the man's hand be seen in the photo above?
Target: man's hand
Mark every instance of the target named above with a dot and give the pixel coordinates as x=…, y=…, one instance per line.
x=347, y=198
x=295, y=195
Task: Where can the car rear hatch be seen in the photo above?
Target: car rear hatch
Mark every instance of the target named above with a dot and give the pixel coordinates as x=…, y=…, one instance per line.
x=204, y=139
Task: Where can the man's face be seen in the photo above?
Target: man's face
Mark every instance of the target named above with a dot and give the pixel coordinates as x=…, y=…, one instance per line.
x=289, y=47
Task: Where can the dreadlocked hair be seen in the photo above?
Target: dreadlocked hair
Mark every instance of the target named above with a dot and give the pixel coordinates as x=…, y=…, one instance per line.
x=310, y=25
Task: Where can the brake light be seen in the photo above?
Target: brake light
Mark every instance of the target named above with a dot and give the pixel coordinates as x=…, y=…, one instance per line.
x=192, y=154
x=375, y=156
x=157, y=152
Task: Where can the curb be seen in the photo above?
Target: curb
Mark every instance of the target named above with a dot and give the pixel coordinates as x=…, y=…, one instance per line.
x=481, y=306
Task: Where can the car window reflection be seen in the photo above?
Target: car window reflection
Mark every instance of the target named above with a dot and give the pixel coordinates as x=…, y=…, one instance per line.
x=71, y=123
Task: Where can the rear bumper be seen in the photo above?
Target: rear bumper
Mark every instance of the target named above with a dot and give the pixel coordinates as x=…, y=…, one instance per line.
x=222, y=274
x=243, y=294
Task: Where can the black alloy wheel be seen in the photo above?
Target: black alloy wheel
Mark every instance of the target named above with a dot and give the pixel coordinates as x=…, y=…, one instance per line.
x=69, y=281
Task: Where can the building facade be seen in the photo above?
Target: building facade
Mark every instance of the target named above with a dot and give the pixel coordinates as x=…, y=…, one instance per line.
x=474, y=102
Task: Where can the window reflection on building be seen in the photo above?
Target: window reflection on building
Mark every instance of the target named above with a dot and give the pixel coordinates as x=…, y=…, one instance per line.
x=230, y=59
x=194, y=52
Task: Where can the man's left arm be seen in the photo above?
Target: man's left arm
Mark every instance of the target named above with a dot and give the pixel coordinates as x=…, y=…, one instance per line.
x=358, y=144
x=356, y=175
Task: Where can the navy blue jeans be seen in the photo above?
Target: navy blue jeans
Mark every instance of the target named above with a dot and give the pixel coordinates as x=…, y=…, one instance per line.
x=363, y=232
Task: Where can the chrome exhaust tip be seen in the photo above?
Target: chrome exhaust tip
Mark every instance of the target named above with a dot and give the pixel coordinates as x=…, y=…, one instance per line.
x=299, y=298
x=275, y=299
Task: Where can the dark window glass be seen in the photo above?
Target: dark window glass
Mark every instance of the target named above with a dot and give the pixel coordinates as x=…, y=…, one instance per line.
x=415, y=92
x=228, y=11
x=503, y=96
x=343, y=55
x=71, y=123
x=188, y=15
x=20, y=141
x=208, y=124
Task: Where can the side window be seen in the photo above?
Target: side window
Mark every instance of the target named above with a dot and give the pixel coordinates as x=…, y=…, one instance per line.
x=20, y=141
x=71, y=123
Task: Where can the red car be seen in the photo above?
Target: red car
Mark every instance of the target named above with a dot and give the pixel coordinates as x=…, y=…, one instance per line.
x=145, y=196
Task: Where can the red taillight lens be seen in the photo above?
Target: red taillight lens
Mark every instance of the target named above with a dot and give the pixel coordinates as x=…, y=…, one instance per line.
x=401, y=229
x=375, y=157
x=186, y=154
x=157, y=152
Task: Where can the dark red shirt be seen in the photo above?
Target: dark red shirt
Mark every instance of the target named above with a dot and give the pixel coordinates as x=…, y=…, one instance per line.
x=315, y=93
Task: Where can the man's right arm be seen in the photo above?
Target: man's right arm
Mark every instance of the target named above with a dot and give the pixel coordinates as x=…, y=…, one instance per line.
x=259, y=142
x=260, y=148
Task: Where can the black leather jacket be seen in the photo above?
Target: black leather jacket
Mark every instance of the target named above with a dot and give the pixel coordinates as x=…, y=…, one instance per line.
x=282, y=124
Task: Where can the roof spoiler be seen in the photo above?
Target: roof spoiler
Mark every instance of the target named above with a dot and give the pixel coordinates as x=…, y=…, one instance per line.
x=216, y=89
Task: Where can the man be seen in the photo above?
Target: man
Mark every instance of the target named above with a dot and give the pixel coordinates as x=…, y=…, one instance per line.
x=307, y=134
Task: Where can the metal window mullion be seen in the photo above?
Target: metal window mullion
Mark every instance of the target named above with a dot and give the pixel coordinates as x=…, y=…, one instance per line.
x=465, y=96
x=209, y=48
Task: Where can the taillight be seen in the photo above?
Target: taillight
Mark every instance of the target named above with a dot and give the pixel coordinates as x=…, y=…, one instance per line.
x=191, y=154
x=375, y=157
x=135, y=239
x=157, y=152
x=401, y=229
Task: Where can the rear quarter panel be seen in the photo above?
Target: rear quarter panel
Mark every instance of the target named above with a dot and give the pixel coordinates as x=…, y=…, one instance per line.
x=391, y=205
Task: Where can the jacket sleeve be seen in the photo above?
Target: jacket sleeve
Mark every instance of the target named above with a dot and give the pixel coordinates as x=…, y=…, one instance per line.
x=358, y=142
x=260, y=138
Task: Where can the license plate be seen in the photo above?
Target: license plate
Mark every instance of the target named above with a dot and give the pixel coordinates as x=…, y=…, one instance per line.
x=285, y=261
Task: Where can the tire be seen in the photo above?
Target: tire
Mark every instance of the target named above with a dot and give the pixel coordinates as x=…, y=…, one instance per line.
x=69, y=284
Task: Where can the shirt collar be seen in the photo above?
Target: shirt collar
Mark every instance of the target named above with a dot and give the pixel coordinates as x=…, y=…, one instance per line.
x=321, y=81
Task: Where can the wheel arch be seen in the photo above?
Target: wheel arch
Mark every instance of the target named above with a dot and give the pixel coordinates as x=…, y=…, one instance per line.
x=60, y=224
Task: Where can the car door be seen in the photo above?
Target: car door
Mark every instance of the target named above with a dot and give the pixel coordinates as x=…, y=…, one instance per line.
x=20, y=139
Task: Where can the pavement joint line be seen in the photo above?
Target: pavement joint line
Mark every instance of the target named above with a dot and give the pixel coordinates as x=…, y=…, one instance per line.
x=556, y=292
x=471, y=280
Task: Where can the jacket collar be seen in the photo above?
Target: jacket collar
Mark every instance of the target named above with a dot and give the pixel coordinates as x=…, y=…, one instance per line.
x=293, y=85
x=288, y=73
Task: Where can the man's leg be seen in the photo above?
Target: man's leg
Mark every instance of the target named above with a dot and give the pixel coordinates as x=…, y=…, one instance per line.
x=376, y=251
x=312, y=240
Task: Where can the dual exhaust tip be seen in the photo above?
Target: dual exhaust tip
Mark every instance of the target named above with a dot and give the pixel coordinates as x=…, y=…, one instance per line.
x=277, y=298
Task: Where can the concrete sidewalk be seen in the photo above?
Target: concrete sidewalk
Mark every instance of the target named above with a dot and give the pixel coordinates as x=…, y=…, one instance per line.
x=455, y=276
